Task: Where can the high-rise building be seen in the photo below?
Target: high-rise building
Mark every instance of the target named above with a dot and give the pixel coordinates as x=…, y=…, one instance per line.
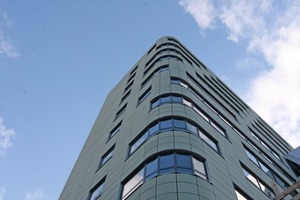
x=171, y=129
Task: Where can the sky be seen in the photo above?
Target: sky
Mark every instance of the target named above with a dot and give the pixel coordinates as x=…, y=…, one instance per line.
x=59, y=60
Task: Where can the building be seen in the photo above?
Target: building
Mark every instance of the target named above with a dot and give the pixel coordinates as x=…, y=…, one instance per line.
x=171, y=129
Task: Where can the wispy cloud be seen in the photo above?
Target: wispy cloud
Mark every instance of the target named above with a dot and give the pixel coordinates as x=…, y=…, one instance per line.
x=6, y=136
x=271, y=30
x=7, y=48
x=35, y=195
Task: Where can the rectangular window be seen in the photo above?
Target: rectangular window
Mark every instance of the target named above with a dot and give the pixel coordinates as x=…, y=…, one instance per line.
x=199, y=168
x=138, y=143
x=115, y=130
x=144, y=95
x=97, y=191
x=121, y=111
x=130, y=78
x=125, y=96
x=218, y=128
x=258, y=183
x=128, y=86
x=208, y=140
x=134, y=69
x=107, y=156
x=241, y=195
x=133, y=183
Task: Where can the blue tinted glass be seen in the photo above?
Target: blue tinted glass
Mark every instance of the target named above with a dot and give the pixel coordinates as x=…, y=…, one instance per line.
x=165, y=99
x=166, y=124
x=179, y=124
x=176, y=99
x=184, y=163
x=139, y=142
x=155, y=103
x=191, y=128
x=151, y=169
x=175, y=81
x=166, y=163
x=154, y=129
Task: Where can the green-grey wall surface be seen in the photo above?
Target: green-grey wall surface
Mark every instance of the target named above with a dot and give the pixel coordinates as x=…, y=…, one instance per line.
x=224, y=168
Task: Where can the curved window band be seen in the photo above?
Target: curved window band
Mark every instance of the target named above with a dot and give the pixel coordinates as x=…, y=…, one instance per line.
x=172, y=124
x=164, y=164
x=182, y=100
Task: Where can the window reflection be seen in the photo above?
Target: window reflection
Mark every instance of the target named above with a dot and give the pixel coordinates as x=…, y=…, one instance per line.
x=164, y=164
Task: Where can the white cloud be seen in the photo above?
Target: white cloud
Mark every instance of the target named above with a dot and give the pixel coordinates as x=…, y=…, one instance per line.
x=6, y=136
x=2, y=192
x=7, y=48
x=271, y=30
x=36, y=195
x=203, y=12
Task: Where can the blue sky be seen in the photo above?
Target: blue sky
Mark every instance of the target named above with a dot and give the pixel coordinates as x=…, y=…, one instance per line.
x=59, y=59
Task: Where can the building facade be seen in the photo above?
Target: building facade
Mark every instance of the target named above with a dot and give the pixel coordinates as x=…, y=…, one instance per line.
x=171, y=129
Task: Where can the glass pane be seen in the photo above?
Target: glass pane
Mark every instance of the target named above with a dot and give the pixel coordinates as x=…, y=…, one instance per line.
x=175, y=81
x=184, y=163
x=97, y=192
x=209, y=141
x=151, y=169
x=176, y=99
x=166, y=163
x=252, y=157
x=183, y=85
x=187, y=103
x=179, y=124
x=266, y=190
x=266, y=169
x=199, y=168
x=138, y=142
x=219, y=129
x=191, y=128
x=133, y=183
x=240, y=196
x=166, y=124
x=165, y=99
x=201, y=114
x=250, y=177
x=154, y=129
x=106, y=157
x=280, y=182
x=155, y=104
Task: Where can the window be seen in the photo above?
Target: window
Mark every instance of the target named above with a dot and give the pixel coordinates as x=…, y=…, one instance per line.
x=107, y=156
x=199, y=168
x=218, y=128
x=158, y=70
x=128, y=86
x=131, y=77
x=179, y=99
x=164, y=164
x=125, y=96
x=121, y=111
x=258, y=183
x=266, y=169
x=133, y=184
x=97, y=190
x=172, y=124
x=204, y=136
x=176, y=81
x=115, y=130
x=241, y=195
x=264, y=144
x=134, y=69
x=144, y=95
